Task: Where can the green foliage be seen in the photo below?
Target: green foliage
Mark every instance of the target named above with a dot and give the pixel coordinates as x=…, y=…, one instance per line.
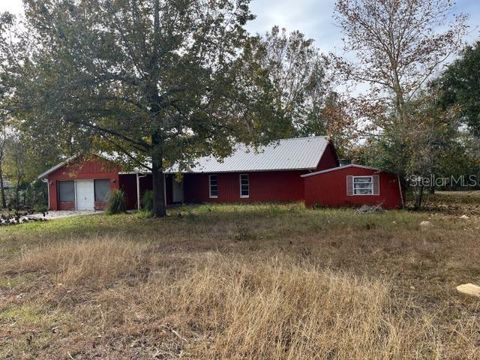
x=147, y=201
x=154, y=78
x=116, y=203
x=461, y=87
x=286, y=73
x=40, y=208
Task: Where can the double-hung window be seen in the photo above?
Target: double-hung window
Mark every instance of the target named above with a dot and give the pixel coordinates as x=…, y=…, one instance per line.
x=363, y=185
x=213, y=186
x=244, y=186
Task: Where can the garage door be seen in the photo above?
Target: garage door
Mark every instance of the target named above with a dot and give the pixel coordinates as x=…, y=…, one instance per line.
x=85, y=195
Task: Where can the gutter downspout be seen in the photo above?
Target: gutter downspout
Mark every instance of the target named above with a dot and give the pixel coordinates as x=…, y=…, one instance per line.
x=45, y=180
x=401, y=191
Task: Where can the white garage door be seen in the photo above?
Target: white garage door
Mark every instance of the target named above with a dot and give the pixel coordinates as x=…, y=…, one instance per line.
x=177, y=191
x=85, y=192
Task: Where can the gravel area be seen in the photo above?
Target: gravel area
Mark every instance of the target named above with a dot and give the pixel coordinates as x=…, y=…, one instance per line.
x=52, y=215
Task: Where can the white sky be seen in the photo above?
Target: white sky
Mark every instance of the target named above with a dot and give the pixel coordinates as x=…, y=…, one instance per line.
x=312, y=17
x=315, y=19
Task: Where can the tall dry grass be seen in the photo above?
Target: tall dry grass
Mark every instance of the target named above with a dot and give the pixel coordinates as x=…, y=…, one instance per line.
x=236, y=307
x=302, y=286
x=94, y=262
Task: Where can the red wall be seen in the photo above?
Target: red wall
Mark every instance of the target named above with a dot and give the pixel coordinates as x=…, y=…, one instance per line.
x=128, y=184
x=329, y=158
x=86, y=168
x=330, y=189
x=273, y=186
x=269, y=186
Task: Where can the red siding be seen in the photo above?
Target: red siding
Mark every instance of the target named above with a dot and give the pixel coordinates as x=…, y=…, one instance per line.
x=329, y=158
x=279, y=186
x=128, y=184
x=87, y=168
x=330, y=189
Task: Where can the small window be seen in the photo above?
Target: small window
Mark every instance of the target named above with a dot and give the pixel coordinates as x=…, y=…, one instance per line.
x=244, y=186
x=362, y=185
x=102, y=190
x=66, y=191
x=213, y=186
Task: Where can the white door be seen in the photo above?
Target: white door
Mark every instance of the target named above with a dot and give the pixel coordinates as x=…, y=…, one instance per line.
x=85, y=195
x=177, y=191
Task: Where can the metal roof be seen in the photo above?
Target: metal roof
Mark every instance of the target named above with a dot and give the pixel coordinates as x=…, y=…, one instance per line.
x=287, y=154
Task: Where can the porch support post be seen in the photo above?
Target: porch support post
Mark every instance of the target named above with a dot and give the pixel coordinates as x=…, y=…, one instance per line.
x=138, y=192
x=165, y=189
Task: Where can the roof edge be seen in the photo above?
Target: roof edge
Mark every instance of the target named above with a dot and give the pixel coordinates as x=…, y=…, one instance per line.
x=58, y=166
x=68, y=161
x=167, y=172
x=340, y=168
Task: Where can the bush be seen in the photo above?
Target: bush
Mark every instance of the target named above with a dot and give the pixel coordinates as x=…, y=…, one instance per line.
x=40, y=208
x=116, y=203
x=147, y=201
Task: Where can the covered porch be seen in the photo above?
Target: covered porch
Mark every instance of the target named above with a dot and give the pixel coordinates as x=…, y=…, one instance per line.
x=135, y=185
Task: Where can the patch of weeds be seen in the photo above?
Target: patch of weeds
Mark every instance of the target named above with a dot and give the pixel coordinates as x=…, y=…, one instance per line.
x=244, y=233
x=11, y=282
x=143, y=214
x=190, y=216
x=23, y=314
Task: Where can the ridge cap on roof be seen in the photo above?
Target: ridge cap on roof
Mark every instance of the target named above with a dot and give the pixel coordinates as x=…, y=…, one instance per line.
x=302, y=137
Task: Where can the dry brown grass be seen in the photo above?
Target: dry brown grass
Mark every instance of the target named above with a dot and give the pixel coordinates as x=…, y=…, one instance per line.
x=241, y=283
x=93, y=262
x=277, y=309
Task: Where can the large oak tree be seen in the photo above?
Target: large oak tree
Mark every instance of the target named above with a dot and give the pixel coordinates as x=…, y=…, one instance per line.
x=155, y=80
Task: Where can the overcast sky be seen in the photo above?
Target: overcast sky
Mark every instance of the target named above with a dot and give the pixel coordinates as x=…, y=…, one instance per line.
x=312, y=17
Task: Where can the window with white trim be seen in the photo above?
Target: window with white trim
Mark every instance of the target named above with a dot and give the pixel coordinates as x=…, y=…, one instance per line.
x=244, y=186
x=213, y=186
x=362, y=185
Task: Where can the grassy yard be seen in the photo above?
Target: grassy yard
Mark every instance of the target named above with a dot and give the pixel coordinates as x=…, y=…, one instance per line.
x=243, y=282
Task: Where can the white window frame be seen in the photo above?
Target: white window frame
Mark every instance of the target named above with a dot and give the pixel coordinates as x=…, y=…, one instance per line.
x=248, y=185
x=210, y=187
x=371, y=188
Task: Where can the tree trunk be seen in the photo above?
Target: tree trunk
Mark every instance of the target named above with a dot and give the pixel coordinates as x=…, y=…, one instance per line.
x=158, y=178
x=17, y=195
x=2, y=189
x=419, y=198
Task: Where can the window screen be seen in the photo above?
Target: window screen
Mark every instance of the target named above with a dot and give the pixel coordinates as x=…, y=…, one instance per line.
x=244, y=186
x=66, y=191
x=363, y=185
x=102, y=190
x=213, y=186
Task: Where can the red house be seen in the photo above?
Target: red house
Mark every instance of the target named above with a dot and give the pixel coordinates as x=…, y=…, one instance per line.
x=287, y=170
x=353, y=185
